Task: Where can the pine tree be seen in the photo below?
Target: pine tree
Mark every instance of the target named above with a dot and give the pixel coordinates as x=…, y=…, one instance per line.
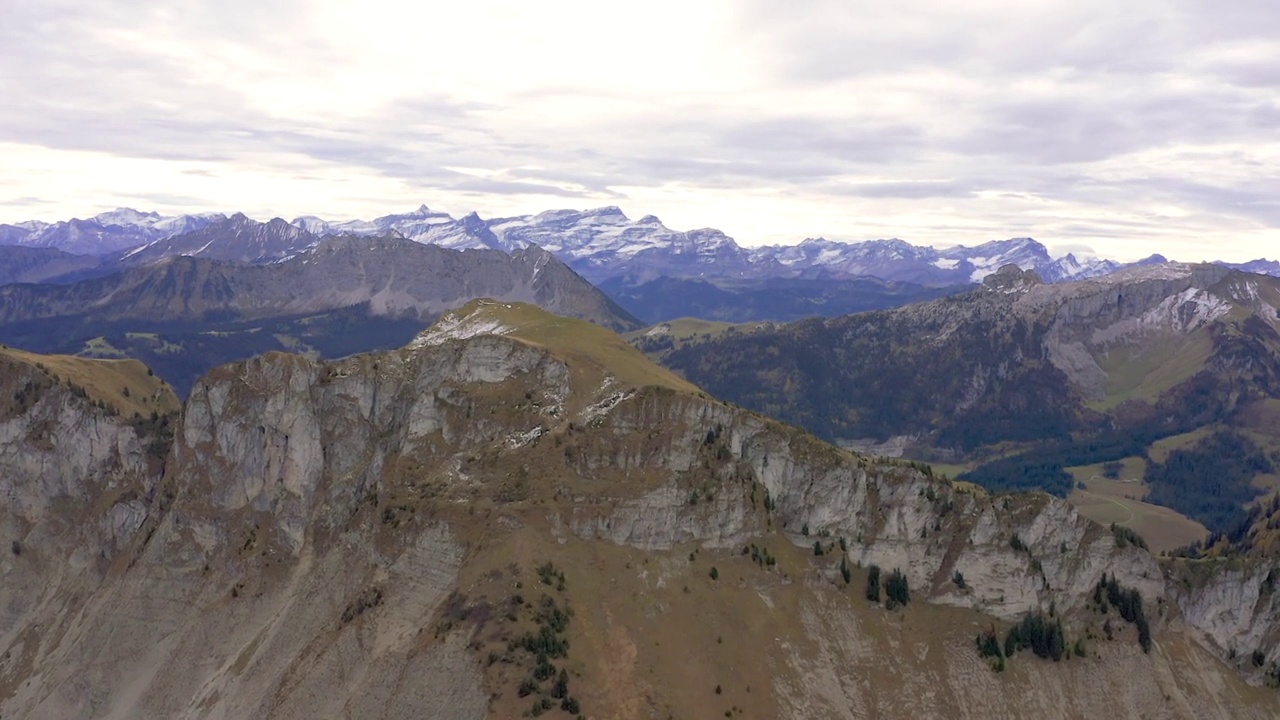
x=873, y=583
x=896, y=590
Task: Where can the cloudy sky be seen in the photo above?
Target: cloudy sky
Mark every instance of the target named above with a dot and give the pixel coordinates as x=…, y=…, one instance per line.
x=1126, y=127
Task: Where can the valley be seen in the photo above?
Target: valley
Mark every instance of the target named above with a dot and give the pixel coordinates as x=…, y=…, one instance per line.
x=1023, y=383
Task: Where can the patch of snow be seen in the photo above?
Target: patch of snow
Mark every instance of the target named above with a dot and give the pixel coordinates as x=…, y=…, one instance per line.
x=946, y=263
x=539, y=264
x=202, y=248
x=828, y=256
x=452, y=327
x=137, y=250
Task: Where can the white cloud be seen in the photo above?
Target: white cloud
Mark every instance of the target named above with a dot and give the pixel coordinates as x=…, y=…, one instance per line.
x=1135, y=128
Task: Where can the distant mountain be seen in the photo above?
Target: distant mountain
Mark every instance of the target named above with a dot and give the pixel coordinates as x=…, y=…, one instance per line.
x=105, y=233
x=236, y=238
x=350, y=294
x=392, y=276
x=1261, y=266
x=20, y=264
x=422, y=225
x=604, y=243
x=777, y=299
x=1085, y=372
x=600, y=244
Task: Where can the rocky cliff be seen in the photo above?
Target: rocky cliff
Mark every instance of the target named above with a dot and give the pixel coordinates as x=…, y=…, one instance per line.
x=372, y=536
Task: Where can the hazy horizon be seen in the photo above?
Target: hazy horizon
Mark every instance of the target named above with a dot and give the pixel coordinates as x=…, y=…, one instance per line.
x=1116, y=130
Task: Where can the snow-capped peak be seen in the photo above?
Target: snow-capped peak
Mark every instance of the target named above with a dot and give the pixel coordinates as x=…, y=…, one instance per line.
x=127, y=217
x=600, y=243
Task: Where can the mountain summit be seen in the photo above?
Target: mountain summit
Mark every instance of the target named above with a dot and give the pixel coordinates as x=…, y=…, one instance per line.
x=603, y=243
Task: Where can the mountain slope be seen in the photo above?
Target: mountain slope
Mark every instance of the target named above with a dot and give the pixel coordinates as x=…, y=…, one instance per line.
x=185, y=315
x=104, y=233
x=777, y=299
x=36, y=265
x=126, y=386
x=1125, y=360
x=392, y=276
x=418, y=533
x=236, y=238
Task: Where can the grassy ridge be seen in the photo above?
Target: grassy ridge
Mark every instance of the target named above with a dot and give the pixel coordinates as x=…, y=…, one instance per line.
x=581, y=343
x=126, y=385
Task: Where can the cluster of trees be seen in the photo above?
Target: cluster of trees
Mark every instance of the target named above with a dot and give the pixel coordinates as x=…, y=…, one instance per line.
x=547, y=642
x=1241, y=539
x=157, y=429
x=1042, y=635
x=30, y=392
x=897, y=593
x=1108, y=593
x=1126, y=536
x=1044, y=467
x=1211, y=480
x=760, y=555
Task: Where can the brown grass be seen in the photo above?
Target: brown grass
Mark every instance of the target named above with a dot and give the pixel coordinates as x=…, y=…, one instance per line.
x=585, y=345
x=1117, y=501
x=107, y=381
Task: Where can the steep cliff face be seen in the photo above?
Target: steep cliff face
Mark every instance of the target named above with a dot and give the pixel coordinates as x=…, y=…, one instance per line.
x=77, y=480
x=890, y=515
x=1233, y=608
x=358, y=539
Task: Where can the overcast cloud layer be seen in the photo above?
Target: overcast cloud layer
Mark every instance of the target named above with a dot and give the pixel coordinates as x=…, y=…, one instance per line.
x=1133, y=127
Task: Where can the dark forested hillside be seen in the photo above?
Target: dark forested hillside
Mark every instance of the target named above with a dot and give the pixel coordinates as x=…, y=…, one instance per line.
x=778, y=299
x=1024, y=381
x=967, y=373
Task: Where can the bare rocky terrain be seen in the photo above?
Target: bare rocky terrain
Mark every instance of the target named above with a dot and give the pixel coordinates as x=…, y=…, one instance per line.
x=424, y=532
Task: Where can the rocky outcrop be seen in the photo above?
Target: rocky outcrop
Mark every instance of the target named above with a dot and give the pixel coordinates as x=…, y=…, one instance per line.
x=318, y=524
x=1233, y=607
x=892, y=515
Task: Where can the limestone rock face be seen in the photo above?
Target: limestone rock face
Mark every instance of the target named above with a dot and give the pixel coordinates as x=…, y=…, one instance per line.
x=890, y=515
x=1233, y=608
x=317, y=525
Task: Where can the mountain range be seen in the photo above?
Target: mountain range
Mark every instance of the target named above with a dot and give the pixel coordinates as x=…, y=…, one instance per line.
x=348, y=294
x=517, y=513
x=1020, y=380
x=104, y=233
x=599, y=244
